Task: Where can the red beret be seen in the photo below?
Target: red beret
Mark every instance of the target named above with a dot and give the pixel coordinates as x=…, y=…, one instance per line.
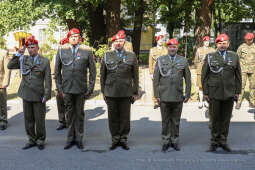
x=64, y=41
x=249, y=36
x=172, y=42
x=206, y=38
x=159, y=37
x=73, y=31
x=221, y=37
x=31, y=41
x=118, y=36
x=121, y=33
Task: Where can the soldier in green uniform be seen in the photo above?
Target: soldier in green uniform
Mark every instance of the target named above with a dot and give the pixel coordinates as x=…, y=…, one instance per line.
x=119, y=85
x=156, y=52
x=168, y=78
x=35, y=90
x=59, y=98
x=246, y=53
x=221, y=81
x=72, y=61
x=198, y=61
x=4, y=82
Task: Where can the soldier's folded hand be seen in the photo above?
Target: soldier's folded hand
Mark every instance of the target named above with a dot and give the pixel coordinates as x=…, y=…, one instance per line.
x=206, y=97
x=87, y=94
x=44, y=100
x=158, y=100
x=151, y=75
x=186, y=100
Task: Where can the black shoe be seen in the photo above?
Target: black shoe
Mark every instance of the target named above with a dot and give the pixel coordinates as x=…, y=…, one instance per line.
x=28, y=146
x=69, y=145
x=225, y=147
x=114, y=146
x=165, y=147
x=3, y=127
x=156, y=106
x=61, y=126
x=124, y=145
x=41, y=147
x=80, y=145
x=176, y=146
x=213, y=148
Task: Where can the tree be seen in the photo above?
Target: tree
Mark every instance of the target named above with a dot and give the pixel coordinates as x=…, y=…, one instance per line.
x=203, y=20
x=16, y=14
x=112, y=17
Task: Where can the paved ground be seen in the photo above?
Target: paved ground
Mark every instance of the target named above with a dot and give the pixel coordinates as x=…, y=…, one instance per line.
x=144, y=141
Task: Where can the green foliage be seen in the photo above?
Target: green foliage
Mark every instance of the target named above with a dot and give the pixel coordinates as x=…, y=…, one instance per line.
x=47, y=51
x=144, y=58
x=182, y=47
x=102, y=48
x=15, y=14
x=2, y=43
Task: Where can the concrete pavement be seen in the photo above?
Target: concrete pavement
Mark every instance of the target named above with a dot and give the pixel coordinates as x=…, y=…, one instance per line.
x=144, y=141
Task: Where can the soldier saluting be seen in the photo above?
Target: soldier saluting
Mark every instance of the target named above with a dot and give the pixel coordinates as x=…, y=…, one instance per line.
x=34, y=89
x=72, y=61
x=168, y=78
x=119, y=85
x=221, y=82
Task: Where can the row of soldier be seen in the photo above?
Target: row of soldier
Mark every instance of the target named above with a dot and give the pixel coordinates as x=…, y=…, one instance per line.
x=220, y=84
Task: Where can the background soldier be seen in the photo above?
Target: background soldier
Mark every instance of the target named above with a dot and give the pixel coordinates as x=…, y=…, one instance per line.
x=246, y=52
x=59, y=97
x=128, y=46
x=168, y=90
x=4, y=82
x=72, y=61
x=156, y=52
x=35, y=90
x=198, y=61
x=221, y=81
x=119, y=85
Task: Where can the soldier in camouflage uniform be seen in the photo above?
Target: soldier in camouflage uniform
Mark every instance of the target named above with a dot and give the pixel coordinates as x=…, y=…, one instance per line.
x=168, y=78
x=198, y=61
x=246, y=53
x=119, y=85
x=35, y=90
x=156, y=52
x=4, y=82
x=221, y=82
x=72, y=62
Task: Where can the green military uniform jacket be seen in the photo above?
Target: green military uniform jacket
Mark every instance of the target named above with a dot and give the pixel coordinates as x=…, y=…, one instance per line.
x=247, y=57
x=168, y=79
x=36, y=84
x=221, y=79
x=71, y=72
x=119, y=75
x=4, y=72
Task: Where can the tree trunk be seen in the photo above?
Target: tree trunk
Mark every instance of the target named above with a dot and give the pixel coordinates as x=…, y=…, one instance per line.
x=112, y=17
x=203, y=20
x=138, y=23
x=97, y=32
